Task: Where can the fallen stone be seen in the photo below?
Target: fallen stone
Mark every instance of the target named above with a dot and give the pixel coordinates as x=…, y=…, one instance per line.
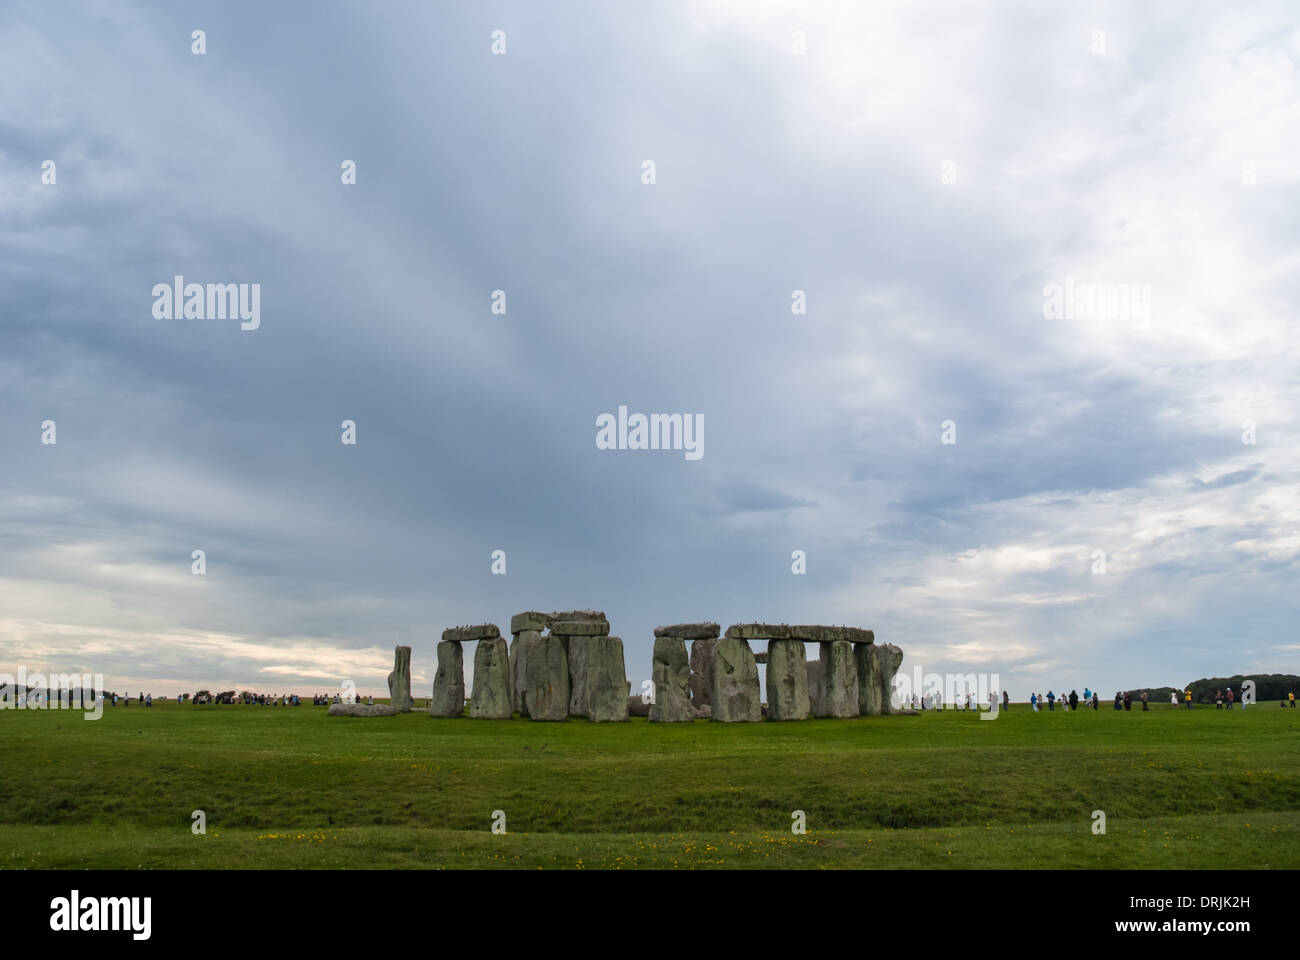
x=483, y=631
x=580, y=628
x=671, y=672
x=891, y=657
x=399, y=681
x=362, y=710
x=839, y=679
x=448, y=698
x=637, y=707
x=546, y=678
x=760, y=656
x=493, y=696
x=702, y=672
x=606, y=680
x=689, y=631
x=529, y=620
x=702, y=713
x=735, y=697
x=577, y=653
x=868, y=660
x=787, y=681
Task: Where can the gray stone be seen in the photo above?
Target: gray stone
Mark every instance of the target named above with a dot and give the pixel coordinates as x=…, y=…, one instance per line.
x=702, y=713
x=448, y=698
x=671, y=672
x=399, y=681
x=362, y=710
x=518, y=666
x=637, y=707
x=839, y=679
x=606, y=680
x=580, y=628
x=787, y=681
x=493, y=693
x=546, y=678
x=812, y=633
x=689, y=631
x=482, y=631
x=529, y=620
x=868, y=660
x=579, y=615
x=816, y=688
x=702, y=672
x=891, y=657
x=760, y=656
x=577, y=650
x=735, y=697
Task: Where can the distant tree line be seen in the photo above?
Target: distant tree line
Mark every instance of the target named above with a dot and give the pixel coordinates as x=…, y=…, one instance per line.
x=1268, y=686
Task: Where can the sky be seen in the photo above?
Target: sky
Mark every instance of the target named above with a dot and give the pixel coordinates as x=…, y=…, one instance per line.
x=994, y=480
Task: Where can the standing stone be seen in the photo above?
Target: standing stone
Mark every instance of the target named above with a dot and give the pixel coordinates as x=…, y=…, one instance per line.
x=577, y=647
x=399, y=681
x=449, y=682
x=702, y=672
x=671, y=672
x=518, y=666
x=890, y=659
x=839, y=679
x=606, y=677
x=816, y=688
x=868, y=658
x=493, y=695
x=787, y=681
x=735, y=696
x=546, y=677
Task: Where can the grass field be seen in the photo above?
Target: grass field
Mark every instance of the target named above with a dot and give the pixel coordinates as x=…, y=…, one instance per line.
x=291, y=787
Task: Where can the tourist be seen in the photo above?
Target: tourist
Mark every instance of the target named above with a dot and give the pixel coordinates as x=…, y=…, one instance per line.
x=1218, y=699
x=1291, y=697
x=1074, y=700
x=1229, y=698
x=1051, y=701
x=1173, y=698
x=1119, y=700
x=1187, y=695
x=1033, y=701
x=1006, y=700
x=1144, y=701
x=1095, y=704
x=148, y=701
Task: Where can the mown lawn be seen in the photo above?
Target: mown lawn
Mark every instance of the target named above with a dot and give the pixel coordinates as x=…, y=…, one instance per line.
x=291, y=787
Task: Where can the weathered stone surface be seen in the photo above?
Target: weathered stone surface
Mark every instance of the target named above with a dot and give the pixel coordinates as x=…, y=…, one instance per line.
x=518, y=666
x=637, y=707
x=812, y=633
x=671, y=672
x=493, y=694
x=702, y=713
x=546, y=678
x=577, y=651
x=787, y=681
x=580, y=628
x=735, y=697
x=689, y=631
x=362, y=710
x=606, y=680
x=579, y=615
x=891, y=657
x=868, y=659
x=702, y=672
x=839, y=679
x=482, y=631
x=816, y=688
x=399, y=681
x=529, y=620
x=448, y=698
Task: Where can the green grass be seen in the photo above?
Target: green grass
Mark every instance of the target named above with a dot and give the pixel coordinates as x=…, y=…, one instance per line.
x=291, y=787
